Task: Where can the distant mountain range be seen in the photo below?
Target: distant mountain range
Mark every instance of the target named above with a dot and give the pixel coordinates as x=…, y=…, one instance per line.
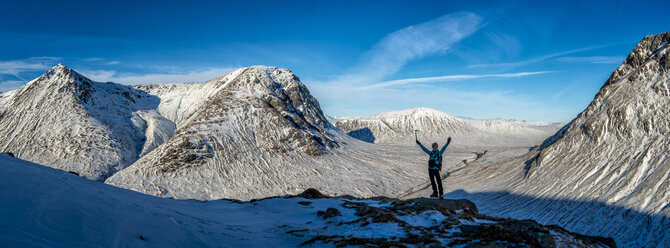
x=397, y=128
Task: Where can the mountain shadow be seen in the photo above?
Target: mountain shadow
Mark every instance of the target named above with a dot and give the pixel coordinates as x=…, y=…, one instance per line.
x=364, y=134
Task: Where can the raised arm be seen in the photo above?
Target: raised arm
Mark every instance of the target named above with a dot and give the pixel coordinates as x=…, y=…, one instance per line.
x=445, y=146
x=423, y=147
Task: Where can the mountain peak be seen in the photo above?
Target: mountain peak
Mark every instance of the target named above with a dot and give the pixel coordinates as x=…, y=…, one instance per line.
x=64, y=74
x=651, y=49
x=60, y=68
x=414, y=112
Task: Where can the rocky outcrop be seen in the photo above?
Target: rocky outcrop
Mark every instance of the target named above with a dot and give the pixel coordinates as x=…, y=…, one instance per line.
x=439, y=223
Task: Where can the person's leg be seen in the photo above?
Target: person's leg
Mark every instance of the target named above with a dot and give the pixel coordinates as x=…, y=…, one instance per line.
x=432, y=182
x=439, y=182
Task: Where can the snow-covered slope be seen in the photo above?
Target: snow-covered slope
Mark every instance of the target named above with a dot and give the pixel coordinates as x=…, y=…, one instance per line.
x=398, y=127
x=43, y=207
x=253, y=133
x=181, y=101
x=64, y=120
x=620, y=144
x=605, y=173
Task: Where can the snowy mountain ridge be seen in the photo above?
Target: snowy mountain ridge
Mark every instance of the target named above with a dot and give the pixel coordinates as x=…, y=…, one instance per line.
x=256, y=120
x=67, y=121
x=610, y=163
x=397, y=127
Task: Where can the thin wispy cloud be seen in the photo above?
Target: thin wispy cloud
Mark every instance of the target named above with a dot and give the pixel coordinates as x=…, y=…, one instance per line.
x=101, y=61
x=94, y=59
x=534, y=60
x=594, y=59
x=451, y=78
x=16, y=67
x=392, y=52
x=155, y=78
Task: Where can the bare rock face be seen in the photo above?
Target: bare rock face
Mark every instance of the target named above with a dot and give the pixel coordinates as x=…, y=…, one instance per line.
x=64, y=120
x=448, y=223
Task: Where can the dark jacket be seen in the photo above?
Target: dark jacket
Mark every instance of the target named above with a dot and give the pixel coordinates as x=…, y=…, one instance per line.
x=435, y=156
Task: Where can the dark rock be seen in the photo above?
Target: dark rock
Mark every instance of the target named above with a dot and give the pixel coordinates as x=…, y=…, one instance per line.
x=312, y=194
x=519, y=231
x=441, y=205
x=329, y=213
x=298, y=232
x=376, y=215
x=607, y=241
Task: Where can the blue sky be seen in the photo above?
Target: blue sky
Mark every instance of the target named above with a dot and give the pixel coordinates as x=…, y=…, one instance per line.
x=525, y=60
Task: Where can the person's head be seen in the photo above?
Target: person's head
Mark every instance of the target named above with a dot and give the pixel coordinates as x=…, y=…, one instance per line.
x=434, y=146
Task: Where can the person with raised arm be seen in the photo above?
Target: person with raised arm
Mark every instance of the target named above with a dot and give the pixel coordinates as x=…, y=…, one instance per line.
x=434, y=166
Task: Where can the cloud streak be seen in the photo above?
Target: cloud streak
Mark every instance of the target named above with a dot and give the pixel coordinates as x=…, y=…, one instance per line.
x=451, y=78
x=410, y=43
x=534, y=60
x=16, y=67
x=101, y=61
x=594, y=59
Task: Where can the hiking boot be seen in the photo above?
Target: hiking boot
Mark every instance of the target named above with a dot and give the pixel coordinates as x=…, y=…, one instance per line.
x=441, y=197
x=434, y=195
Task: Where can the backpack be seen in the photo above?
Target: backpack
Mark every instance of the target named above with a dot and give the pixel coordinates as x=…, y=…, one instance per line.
x=431, y=162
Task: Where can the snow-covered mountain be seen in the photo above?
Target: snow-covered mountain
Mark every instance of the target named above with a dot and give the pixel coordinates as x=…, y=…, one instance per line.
x=65, y=120
x=43, y=207
x=398, y=127
x=606, y=172
x=254, y=132
x=620, y=143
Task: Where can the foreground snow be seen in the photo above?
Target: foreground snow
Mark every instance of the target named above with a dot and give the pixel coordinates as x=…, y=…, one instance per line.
x=44, y=207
